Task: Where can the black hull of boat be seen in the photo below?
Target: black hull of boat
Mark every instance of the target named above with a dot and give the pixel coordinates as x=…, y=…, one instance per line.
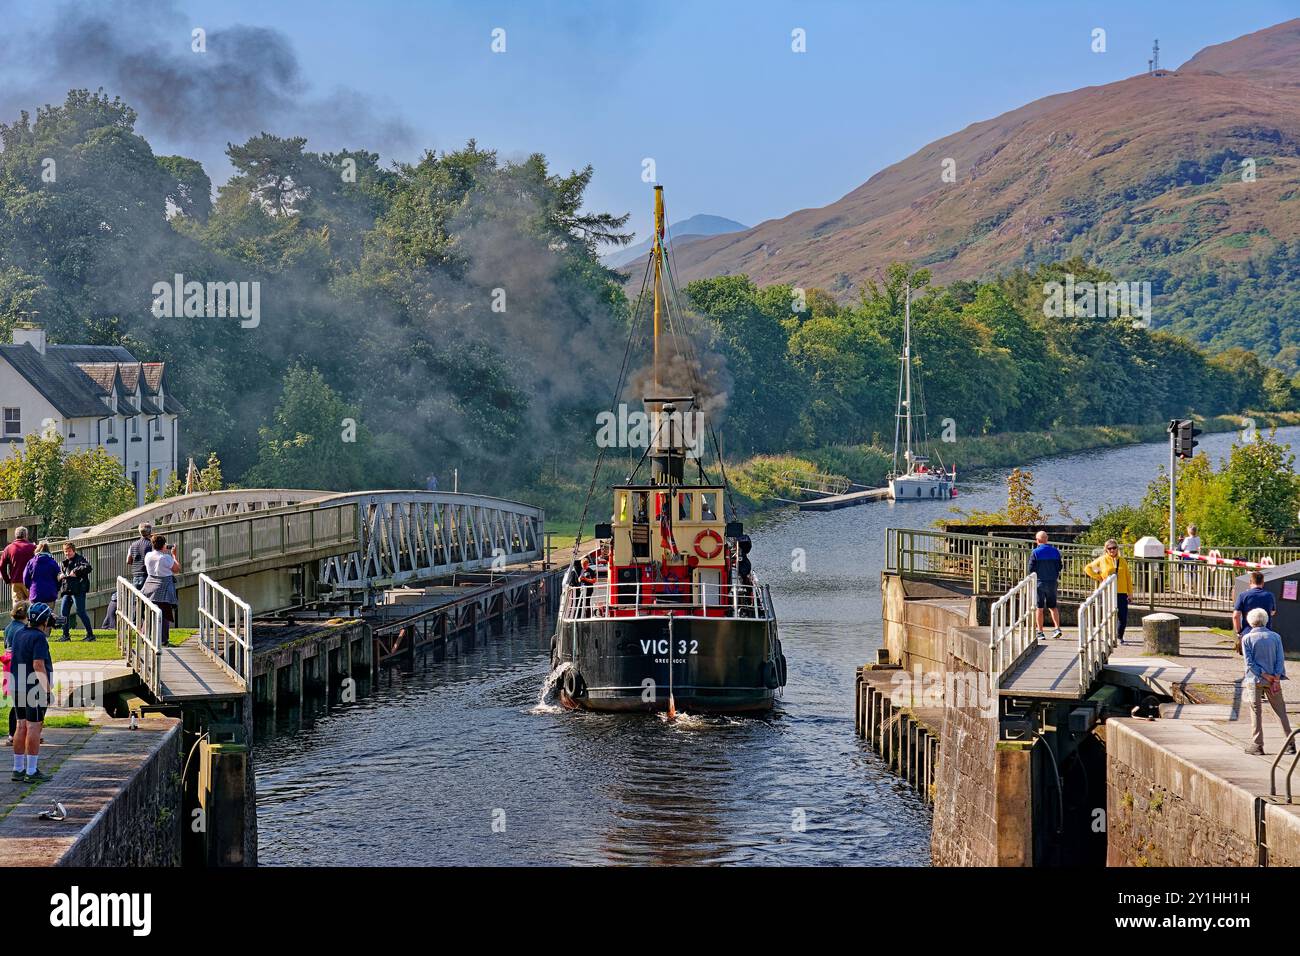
x=720, y=665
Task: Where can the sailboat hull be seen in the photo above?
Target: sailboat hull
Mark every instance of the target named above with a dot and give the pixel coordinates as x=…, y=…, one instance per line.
x=920, y=487
x=719, y=665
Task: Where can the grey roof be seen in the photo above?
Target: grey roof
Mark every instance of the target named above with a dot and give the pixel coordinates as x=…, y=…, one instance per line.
x=74, y=378
x=90, y=353
x=65, y=386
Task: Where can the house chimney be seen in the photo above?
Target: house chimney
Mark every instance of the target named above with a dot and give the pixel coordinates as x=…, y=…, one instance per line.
x=30, y=334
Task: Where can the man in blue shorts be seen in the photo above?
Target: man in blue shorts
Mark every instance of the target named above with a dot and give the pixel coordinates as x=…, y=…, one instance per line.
x=1045, y=561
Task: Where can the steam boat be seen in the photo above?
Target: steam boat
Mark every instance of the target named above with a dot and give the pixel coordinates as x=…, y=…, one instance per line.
x=915, y=477
x=664, y=612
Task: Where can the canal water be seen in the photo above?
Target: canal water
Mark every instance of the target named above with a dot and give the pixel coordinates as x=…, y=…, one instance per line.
x=460, y=763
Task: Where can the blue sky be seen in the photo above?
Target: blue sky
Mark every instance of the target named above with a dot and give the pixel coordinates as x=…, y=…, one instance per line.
x=738, y=124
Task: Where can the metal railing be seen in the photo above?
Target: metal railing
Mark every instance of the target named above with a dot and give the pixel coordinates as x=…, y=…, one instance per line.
x=994, y=565
x=226, y=541
x=605, y=600
x=1288, y=744
x=139, y=635
x=1012, y=630
x=225, y=629
x=1098, y=631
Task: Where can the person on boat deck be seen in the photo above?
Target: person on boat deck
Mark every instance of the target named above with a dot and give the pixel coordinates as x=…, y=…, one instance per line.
x=1045, y=561
x=587, y=579
x=1112, y=562
x=746, y=570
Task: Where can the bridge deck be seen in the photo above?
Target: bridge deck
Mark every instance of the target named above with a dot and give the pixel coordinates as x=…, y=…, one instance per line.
x=1050, y=669
x=189, y=673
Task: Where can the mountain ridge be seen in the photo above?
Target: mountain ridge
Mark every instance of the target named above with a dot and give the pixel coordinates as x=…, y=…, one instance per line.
x=1145, y=176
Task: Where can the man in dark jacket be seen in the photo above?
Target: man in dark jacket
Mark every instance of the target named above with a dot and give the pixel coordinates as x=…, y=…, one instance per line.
x=74, y=585
x=13, y=562
x=135, y=554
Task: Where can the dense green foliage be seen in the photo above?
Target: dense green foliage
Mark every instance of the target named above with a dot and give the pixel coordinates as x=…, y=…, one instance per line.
x=65, y=489
x=453, y=308
x=839, y=367
x=452, y=313
x=1251, y=498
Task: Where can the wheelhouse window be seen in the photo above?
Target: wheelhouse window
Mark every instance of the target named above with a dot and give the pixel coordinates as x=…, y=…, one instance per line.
x=708, y=502
x=640, y=514
x=685, y=501
x=13, y=422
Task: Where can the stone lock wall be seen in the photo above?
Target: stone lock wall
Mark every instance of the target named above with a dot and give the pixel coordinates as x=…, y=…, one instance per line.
x=1162, y=810
x=965, y=807
x=142, y=825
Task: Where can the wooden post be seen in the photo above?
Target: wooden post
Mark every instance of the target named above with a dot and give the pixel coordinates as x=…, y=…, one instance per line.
x=222, y=772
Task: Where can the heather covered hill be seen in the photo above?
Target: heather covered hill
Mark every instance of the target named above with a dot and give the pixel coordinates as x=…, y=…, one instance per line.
x=1189, y=180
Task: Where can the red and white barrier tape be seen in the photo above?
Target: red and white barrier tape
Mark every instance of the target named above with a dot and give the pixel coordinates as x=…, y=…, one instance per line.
x=1215, y=558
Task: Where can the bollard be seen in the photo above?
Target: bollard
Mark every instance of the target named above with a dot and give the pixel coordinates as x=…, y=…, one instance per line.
x=1160, y=634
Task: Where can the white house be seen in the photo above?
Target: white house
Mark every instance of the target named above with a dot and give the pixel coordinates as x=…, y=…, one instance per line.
x=95, y=396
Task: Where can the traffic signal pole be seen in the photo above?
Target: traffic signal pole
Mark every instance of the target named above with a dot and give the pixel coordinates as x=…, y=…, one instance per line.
x=1173, y=485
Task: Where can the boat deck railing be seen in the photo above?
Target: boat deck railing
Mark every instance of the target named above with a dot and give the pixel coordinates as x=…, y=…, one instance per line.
x=606, y=600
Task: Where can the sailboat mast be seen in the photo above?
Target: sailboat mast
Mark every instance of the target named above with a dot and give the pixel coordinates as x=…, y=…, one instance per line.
x=907, y=365
x=658, y=265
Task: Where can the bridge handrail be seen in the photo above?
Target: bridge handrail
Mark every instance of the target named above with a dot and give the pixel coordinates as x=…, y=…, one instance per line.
x=1098, y=631
x=225, y=629
x=994, y=564
x=139, y=634
x=244, y=537
x=1011, y=628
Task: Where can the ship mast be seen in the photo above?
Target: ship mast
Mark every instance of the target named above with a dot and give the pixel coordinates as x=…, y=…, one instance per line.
x=658, y=265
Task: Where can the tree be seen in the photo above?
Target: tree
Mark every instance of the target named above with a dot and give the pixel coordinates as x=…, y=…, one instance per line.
x=1021, y=506
x=1262, y=483
x=314, y=440
x=65, y=491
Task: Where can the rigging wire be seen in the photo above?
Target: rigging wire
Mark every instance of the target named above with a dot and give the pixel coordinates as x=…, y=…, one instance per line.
x=693, y=360
x=613, y=404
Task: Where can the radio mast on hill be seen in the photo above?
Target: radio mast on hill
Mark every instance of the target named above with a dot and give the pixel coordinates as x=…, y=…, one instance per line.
x=1153, y=64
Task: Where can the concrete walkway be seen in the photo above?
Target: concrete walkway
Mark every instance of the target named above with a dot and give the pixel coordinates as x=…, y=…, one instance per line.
x=1203, y=734
x=88, y=767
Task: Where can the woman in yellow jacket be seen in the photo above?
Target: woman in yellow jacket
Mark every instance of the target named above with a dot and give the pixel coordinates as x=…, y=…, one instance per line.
x=1112, y=562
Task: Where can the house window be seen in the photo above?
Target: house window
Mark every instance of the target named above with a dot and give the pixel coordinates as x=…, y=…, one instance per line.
x=109, y=427
x=13, y=422
x=135, y=427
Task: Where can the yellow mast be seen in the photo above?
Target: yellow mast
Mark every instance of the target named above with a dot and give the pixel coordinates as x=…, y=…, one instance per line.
x=658, y=261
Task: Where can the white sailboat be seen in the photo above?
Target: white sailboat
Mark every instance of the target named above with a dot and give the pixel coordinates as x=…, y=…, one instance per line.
x=914, y=477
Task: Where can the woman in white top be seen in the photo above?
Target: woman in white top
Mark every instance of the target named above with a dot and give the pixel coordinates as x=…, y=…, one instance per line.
x=160, y=586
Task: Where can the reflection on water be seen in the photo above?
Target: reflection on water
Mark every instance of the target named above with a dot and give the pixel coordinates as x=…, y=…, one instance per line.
x=461, y=762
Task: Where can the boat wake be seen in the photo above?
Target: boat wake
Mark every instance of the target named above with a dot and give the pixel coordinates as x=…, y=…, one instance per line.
x=548, y=698
x=685, y=721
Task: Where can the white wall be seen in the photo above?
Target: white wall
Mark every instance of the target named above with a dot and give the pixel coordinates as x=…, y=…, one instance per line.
x=83, y=434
